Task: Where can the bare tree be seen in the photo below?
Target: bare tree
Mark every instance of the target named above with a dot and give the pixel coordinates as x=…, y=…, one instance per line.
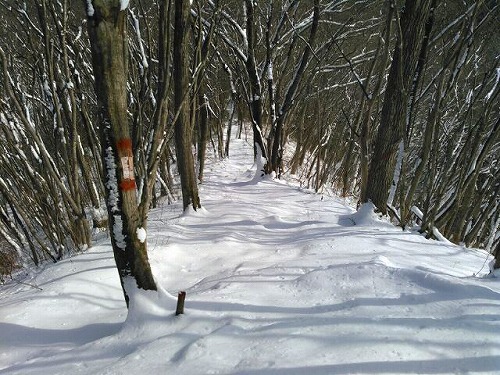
x=48, y=161
x=108, y=37
x=289, y=97
x=183, y=129
x=389, y=142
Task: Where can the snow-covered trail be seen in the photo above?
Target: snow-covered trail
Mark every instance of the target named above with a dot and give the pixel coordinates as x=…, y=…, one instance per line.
x=279, y=281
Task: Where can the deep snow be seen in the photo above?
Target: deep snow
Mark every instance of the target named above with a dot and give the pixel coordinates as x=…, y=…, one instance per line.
x=279, y=281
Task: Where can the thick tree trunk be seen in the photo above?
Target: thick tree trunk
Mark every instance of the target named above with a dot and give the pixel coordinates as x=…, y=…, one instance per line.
x=183, y=131
x=396, y=100
x=371, y=100
x=108, y=37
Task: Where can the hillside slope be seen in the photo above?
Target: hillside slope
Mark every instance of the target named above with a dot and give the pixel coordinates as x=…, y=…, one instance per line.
x=279, y=281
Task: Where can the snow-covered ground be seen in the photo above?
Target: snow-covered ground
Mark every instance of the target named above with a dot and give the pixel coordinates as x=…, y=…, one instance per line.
x=279, y=281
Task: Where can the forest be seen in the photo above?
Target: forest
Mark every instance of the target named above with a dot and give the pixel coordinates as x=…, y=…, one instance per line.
x=109, y=108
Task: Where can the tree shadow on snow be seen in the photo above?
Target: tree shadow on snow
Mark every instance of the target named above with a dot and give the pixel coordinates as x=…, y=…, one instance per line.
x=433, y=366
x=23, y=336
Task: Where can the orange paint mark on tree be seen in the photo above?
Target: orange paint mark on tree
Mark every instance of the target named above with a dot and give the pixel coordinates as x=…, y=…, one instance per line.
x=124, y=144
x=127, y=185
x=124, y=147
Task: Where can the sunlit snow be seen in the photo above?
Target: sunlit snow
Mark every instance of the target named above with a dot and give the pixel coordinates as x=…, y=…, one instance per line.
x=279, y=280
x=124, y=4
x=141, y=234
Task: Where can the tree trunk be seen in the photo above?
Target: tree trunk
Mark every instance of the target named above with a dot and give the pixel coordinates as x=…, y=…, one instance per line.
x=182, y=126
x=203, y=136
x=229, y=128
x=255, y=86
x=496, y=254
x=396, y=100
x=372, y=99
x=108, y=38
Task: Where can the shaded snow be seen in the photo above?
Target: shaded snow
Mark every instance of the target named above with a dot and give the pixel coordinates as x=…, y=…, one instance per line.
x=278, y=281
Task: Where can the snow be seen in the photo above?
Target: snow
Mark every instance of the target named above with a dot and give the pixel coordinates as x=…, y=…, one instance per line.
x=118, y=235
x=112, y=183
x=90, y=8
x=435, y=232
x=141, y=234
x=279, y=280
x=124, y=4
x=270, y=71
x=367, y=217
x=144, y=59
x=260, y=162
x=497, y=79
x=113, y=198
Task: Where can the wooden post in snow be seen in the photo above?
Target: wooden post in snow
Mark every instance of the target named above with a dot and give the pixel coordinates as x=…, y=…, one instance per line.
x=180, y=303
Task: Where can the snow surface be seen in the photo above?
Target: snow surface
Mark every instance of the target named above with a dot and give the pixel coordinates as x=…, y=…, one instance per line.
x=279, y=281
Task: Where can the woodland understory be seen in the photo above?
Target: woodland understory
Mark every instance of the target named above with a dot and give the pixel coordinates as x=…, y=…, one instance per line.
x=350, y=97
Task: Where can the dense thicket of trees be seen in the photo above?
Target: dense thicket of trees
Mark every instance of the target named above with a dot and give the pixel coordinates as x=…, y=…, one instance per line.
x=392, y=101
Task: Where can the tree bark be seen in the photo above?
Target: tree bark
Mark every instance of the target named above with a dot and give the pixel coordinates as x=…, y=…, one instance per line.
x=255, y=86
x=396, y=100
x=182, y=126
x=203, y=136
x=108, y=38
